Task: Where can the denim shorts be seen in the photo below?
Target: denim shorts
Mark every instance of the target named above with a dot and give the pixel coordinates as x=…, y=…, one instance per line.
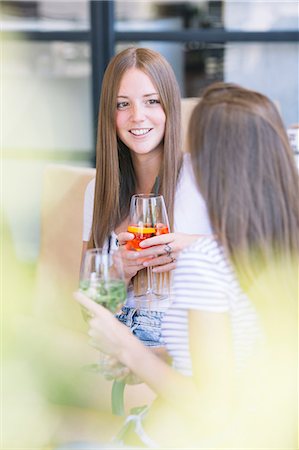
x=144, y=324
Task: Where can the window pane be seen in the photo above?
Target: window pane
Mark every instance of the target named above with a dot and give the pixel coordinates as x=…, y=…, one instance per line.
x=46, y=99
x=271, y=68
x=246, y=15
x=261, y=15
x=47, y=90
x=45, y=15
x=253, y=65
x=141, y=15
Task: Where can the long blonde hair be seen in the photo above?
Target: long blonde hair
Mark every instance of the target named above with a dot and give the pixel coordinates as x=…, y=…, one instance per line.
x=115, y=177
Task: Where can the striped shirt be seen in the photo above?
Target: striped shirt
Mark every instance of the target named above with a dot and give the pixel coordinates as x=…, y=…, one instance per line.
x=205, y=281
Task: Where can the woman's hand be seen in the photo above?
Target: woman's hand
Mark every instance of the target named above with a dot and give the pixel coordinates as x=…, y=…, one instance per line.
x=109, y=336
x=107, y=333
x=161, y=252
x=112, y=369
x=132, y=263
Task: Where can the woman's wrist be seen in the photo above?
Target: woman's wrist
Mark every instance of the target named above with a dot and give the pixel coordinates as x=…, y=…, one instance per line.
x=128, y=351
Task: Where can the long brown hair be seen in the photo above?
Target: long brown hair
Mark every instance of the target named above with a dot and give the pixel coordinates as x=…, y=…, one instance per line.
x=115, y=177
x=247, y=174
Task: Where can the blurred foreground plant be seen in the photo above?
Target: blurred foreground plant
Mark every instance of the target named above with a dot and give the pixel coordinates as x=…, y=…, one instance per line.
x=47, y=398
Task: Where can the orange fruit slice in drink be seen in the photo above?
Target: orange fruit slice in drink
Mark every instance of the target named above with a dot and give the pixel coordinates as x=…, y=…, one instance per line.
x=141, y=230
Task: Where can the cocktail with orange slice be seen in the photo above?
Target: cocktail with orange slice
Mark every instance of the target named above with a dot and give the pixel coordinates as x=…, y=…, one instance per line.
x=145, y=232
x=148, y=218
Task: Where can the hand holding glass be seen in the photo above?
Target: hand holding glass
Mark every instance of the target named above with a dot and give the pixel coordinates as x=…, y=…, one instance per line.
x=102, y=280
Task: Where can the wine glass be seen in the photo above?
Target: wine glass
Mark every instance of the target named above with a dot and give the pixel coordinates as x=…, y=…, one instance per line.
x=102, y=278
x=148, y=218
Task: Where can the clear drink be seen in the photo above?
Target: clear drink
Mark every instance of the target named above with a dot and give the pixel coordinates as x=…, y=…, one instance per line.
x=102, y=278
x=110, y=294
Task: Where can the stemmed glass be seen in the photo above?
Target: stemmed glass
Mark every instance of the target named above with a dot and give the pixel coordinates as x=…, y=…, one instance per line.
x=148, y=218
x=102, y=280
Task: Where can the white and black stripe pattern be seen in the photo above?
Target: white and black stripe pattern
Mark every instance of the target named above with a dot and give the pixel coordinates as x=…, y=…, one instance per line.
x=204, y=280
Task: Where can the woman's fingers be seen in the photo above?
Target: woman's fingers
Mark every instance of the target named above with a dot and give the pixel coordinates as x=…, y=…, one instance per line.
x=130, y=259
x=94, y=308
x=164, y=267
x=163, y=253
x=132, y=379
x=130, y=269
x=158, y=240
x=112, y=369
x=132, y=263
x=121, y=373
x=124, y=237
x=106, y=332
x=161, y=260
x=159, y=252
x=158, y=255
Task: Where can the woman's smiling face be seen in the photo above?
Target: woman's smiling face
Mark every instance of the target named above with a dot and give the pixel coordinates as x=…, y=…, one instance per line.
x=140, y=119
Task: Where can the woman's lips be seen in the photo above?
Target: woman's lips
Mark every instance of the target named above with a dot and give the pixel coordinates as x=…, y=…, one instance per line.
x=140, y=131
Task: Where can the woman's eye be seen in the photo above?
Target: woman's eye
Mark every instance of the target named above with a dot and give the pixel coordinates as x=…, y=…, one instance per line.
x=122, y=105
x=153, y=101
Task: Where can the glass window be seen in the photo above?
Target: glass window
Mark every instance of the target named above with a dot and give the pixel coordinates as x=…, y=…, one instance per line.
x=190, y=14
x=204, y=65
x=267, y=15
x=252, y=65
x=44, y=15
x=255, y=65
x=47, y=110
x=51, y=80
x=271, y=68
x=242, y=15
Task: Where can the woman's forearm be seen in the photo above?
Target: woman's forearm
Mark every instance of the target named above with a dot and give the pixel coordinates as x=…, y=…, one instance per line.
x=179, y=391
x=206, y=395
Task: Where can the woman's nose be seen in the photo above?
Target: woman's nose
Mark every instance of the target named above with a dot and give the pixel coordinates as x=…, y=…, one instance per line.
x=138, y=113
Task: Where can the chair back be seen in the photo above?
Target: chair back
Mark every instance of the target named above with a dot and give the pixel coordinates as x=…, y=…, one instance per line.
x=61, y=243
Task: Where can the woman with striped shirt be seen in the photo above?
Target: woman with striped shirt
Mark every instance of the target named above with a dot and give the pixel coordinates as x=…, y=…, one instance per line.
x=231, y=330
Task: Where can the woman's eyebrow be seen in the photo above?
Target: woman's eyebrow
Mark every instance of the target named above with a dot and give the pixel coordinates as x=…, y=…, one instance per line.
x=149, y=95
x=145, y=95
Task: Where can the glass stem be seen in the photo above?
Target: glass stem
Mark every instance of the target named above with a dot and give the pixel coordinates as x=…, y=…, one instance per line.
x=149, y=280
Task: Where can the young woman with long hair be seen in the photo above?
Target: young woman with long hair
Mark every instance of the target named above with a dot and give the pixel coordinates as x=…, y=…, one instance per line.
x=139, y=151
x=231, y=330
